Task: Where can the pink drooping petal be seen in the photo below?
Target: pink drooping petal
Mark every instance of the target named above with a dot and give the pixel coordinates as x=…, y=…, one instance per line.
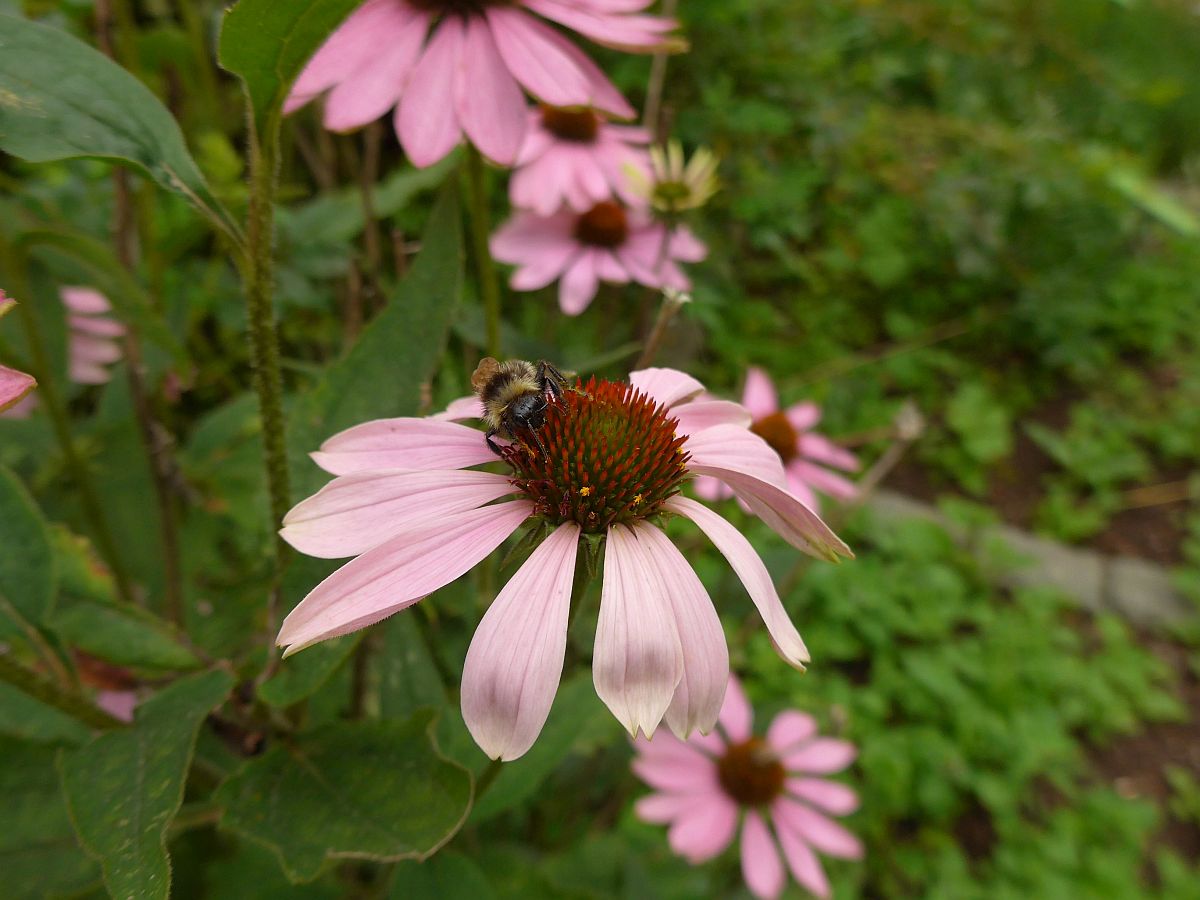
x=830, y=796
x=578, y=284
x=626, y=32
x=84, y=301
x=119, y=704
x=813, y=828
x=685, y=246
x=737, y=716
x=800, y=488
x=821, y=449
x=460, y=409
x=803, y=862
x=759, y=395
x=375, y=85
x=404, y=443
x=803, y=416
x=96, y=326
x=701, y=414
x=515, y=660
x=711, y=489
x=398, y=573
x=660, y=809
x=753, y=574
x=683, y=773
x=666, y=386
x=528, y=239
x=489, y=102
x=354, y=513
x=705, y=829
x=363, y=34
x=789, y=729
x=761, y=866
x=823, y=480
x=638, y=661
x=821, y=757
x=669, y=749
x=14, y=385
x=698, y=697
x=426, y=121
x=82, y=372
x=94, y=350
x=738, y=449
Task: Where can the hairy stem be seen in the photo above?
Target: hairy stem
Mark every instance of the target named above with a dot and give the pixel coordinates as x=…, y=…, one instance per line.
x=658, y=76
x=485, y=267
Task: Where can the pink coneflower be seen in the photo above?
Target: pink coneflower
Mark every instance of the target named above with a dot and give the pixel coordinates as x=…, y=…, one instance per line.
x=467, y=78
x=606, y=243
x=707, y=783
x=805, y=453
x=573, y=158
x=94, y=335
x=14, y=385
x=408, y=504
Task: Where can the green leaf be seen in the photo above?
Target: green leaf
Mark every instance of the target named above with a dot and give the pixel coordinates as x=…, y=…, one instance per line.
x=23, y=717
x=61, y=99
x=120, y=634
x=125, y=786
x=268, y=42
x=39, y=855
x=408, y=677
x=28, y=574
x=447, y=876
x=301, y=676
x=362, y=790
x=397, y=353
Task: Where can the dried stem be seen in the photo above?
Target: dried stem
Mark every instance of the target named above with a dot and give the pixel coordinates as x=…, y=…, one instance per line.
x=672, y=302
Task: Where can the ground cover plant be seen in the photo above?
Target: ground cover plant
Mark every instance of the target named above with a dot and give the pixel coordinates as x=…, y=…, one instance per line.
x=778, y=254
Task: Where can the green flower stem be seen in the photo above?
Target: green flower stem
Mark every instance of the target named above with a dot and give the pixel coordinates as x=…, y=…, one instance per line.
x=489, y=285
x=37, y=687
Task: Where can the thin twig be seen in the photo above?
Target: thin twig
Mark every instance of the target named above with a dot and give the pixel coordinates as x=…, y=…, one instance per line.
x=658, y=77
x=672, y=302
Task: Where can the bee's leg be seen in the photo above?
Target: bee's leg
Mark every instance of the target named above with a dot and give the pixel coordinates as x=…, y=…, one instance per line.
x=492, y=445
x=551, y=380
x=537, y=440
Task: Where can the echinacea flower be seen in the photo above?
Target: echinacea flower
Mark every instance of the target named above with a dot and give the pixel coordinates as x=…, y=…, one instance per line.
x=805, y=453
x=14, y=385
x=671, y=186
x=93, y=335
x=408, y=503
x=467, y=79
x=575, y=158
x=606, y=243
x=706, y=784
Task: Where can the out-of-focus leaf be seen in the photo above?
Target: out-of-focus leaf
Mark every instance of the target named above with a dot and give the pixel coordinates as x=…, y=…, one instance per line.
x=124, y=787
x=40, y=856
x=408, y=678
x=23, y=717
x=446, y=876
x=59, y=99
x=252, y=873
x=362, y=790
x=383, y=373
x=267, y=43
x=28, y=572
x=121, y=634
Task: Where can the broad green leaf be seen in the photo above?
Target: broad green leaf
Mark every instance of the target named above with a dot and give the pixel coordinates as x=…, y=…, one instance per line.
x=120, y=634
x=363, y=790
x=268, y=42
x=300, y=676
x=28, y=573
x=23, y=717
x=252, y=873
x=125, y=786
x=60, y=99
x=39, y=855
x=397, y=353
x=446, y=876
x=408, y=678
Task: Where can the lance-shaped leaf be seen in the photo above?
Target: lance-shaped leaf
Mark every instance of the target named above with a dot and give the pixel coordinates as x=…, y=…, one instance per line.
x=60, y=99
x=124, y=787
x=28, y=572
x=361, y=790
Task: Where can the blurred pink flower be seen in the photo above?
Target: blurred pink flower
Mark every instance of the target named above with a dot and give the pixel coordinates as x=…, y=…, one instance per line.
x=14, y=385
x=804, y=452
x=93, y=341
x=574, y=158
x=606, y=243
x=408, y=504
x=467, y=78
x=707, y=783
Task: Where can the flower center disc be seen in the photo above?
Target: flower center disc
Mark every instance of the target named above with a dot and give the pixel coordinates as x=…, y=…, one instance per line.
x=750, y=773
x=777, y=431
x=579, y=125
x=604, y=225
x=611, y=456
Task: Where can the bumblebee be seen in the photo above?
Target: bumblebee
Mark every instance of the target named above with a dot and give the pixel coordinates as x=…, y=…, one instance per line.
x=515, y=394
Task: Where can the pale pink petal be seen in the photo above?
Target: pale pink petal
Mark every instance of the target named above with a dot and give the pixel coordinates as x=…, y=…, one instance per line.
x=753, y=574
x=790, y=728
x=426, y=122
x=667, y=748
x=118, y=704
x=737, y=449
x=701, y=414
x=660, y=809
x=84, y=301
x=665, y=386
x=374, y=86
x=821, y=757
x=637, y=662
x=96, y=326
x=405, y=443
x=398, y=573
x=830, y=796
x=800, y=488
x=462, y=408
x=698, y=697
x=692, y=773
x=627, y=32
x=705, y=829
x=609, y=269
x=536, y=275
x=98, y=351
x=825, y=481
x=7, y=304
x=821, y=449
x=14, y=385
x=711, y=489
x=578, y=285
x=490, y=105
x=354, y=513
x=515, y=659
x=88, y=373
x=813, y=828
x=803, y=416
x=759, y=394
x=686, y=246
x=526, y=237
x=737, y=716
x=761, y=866
x=805, y=866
